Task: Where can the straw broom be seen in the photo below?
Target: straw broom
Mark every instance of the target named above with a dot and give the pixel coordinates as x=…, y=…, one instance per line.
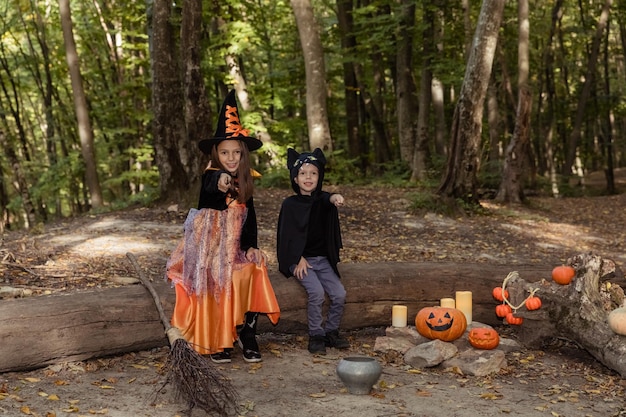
x=194, y=378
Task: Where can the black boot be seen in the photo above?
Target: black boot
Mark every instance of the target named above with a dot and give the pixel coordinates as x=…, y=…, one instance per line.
x=317, y=345
x=247, y=339
x=334, y=340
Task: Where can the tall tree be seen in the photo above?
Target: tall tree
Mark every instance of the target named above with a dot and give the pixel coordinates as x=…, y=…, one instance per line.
x=85, y=130
x=585, y=94
x=315, y=70
x=512, y=186
x=460, y=178
x=356, y=140
x=421, y=154
x=406, y=92
x=172, y=149
x=197, y=110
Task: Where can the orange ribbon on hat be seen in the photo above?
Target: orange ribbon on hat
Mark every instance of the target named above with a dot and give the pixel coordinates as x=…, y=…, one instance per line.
x=233, y=125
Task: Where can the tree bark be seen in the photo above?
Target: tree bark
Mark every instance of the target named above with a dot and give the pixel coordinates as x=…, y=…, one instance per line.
x=585, y=94
x=85, y=131
x=460, y=179
x=356, y=137
x=421, y=154
x=577, y=311
x=512, y=186
x=406, y=92
x=40, y=331
x=315, y=73
x=171, y=148
x=197, y=110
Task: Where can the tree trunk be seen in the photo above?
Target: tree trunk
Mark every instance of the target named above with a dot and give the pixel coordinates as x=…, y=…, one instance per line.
x=40, y=331
x=460, y=180
x=315, y=73
x=197, y=111
x=85, y=131
x=421, y=153
x=588, y=85
x=406, y=92
x=356, y=142
x=171, y=146
x=512, y=186
x=577, y=311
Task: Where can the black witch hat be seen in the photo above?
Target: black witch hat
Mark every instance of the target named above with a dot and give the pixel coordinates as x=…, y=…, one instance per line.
x=229, y=128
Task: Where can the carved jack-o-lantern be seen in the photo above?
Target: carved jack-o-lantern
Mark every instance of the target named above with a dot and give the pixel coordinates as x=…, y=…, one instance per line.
x=441, y=323
x=484, y=338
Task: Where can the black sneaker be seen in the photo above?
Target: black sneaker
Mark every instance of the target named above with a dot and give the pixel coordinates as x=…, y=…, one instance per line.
x=333, y=339
x=317, y=345
x=221, y=357
x=250, y=348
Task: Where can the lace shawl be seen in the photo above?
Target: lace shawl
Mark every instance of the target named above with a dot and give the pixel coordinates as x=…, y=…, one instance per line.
x=209, y=251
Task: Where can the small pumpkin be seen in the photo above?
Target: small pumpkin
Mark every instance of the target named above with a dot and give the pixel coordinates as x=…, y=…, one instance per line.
x=533, y=303
x=515, y=321
x=502, y=310
x=563, y=274
x=500, y=294
x=617, y=321
x=484, y=338
x=443, y=323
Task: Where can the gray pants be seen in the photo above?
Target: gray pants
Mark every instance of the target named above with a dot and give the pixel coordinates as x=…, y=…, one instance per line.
x=320, y=279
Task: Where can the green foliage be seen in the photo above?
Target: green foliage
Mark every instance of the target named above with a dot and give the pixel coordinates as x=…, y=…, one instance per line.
x=261, y=36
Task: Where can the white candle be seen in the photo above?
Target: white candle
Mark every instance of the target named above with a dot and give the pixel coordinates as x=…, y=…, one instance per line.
x=447, y=302
x=464, y=303
x=398, y=316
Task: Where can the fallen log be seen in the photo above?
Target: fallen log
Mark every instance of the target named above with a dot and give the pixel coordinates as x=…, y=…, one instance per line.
x=39, y=331
x=576, y=312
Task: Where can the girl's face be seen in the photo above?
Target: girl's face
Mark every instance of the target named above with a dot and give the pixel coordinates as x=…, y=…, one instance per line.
x=307, y=179
x=229, y=154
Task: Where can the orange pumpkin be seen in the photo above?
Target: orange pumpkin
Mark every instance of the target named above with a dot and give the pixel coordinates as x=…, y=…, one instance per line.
x=516, y=321
x=563, y=274
x=500, y=294
x=484, y=338
x=502, y=310
x=441, y=323
x=533, y=303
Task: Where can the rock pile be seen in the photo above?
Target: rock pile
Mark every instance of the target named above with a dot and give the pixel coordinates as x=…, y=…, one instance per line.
x=421, y=352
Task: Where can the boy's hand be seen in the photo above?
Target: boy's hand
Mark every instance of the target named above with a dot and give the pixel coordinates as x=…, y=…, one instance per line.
x=223, y=184
x=337, y=200
x=300, y=270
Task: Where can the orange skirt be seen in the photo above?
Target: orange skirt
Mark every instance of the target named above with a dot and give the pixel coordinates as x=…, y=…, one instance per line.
x=211, y=326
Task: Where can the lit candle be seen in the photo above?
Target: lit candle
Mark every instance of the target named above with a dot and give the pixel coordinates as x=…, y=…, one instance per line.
x=464, y=303
x=447, y=302
x=398, y=316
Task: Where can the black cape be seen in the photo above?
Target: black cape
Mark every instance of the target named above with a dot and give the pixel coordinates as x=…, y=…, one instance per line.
x=293, y=224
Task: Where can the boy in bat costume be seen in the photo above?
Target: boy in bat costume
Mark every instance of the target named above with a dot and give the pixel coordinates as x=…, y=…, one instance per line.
x=308, y=244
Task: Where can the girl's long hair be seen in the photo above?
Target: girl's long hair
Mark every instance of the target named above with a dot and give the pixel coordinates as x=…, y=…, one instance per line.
x=244, y=177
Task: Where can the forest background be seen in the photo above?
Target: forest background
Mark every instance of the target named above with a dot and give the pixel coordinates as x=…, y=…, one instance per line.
x=102, y=102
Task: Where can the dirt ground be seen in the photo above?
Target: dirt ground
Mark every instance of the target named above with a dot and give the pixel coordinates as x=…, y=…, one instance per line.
x=559, y=380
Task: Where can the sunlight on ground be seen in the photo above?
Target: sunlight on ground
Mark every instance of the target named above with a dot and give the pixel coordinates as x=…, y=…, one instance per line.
x=123, y=236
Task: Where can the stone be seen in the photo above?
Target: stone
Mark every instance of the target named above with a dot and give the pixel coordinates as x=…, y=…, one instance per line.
x=427, y=355
x=385, y=343
x=477, y=362
x=409, y=333
x=509, y=345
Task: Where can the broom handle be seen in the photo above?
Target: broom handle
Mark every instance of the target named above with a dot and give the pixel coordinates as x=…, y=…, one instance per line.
x=150, y=287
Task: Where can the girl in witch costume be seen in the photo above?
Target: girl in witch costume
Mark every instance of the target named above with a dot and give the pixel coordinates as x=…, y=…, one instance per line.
x=218, y=271
x=308, y=244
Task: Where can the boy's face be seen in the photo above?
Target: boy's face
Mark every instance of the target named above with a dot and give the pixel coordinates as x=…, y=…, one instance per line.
x=307, y=179
x=229, y=154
